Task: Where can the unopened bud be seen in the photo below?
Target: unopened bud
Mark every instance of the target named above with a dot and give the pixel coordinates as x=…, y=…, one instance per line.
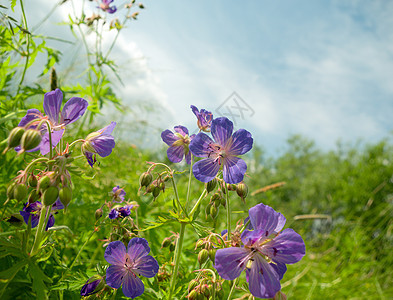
x=30, y=140
x=33, y=196
x=43, y=183
x=223, y=202
x=98, y=214
x=65, y=195
x=20, y=192
x=172, y=247
x=166, y=242
x=212, y=254
x=211, y=185
x=207, y=210
x=156, y=191
x=14, y=137
x=193, y=295
x=199, y=243
x=93, y=285
x=50, y=195
x=203, y=256
x=213, y=211
x=145, y=179
x=231, y=187
x=205, y=290
x=193, y=283
x=33, y=181
x=10, y=190
x=242, y=190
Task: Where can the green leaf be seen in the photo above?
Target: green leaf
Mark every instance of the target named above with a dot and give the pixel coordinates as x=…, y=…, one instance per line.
x=7, y=275
x=13, y=3
x=39, y=278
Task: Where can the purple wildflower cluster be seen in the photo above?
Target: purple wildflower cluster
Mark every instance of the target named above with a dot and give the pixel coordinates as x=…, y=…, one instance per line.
x=220, y=153
x=264, y=254
x=33, y=211
x=120, y=212
x=105, y=6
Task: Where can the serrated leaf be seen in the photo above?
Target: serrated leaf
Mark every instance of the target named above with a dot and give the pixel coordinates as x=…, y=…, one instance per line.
x=39, y=278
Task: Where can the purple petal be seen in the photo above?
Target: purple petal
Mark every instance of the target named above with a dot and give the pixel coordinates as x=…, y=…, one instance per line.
x=56, y=137
x=234, y=169
x=251, y=237
x=103, y=145
x=36, y=206
x=288, y=247
x=175, y=154
x=206, y=169
x=138, y=248
x=51, y=222
x=147, y=266
x=113, y=214
x=188, y=158
x=115, y=253
x=132, y=286
x=199, y=145
x=34, y=218
x=115, y=275
x=107, y=130
x=91, y=158
x=266, y=218
x=168, y=137
x=89, y=287
x=52, y=104
x=57, y=205
x=31, y=115
x=73, y=110
x=195, y=110
x=221, y=130
x=182, y=130
x=111, y=10
x=241, y=142
x=279, y=268
x=263, y=279
x=230, y=262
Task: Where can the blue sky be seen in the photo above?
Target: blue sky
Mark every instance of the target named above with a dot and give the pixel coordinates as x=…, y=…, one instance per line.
x=322, y=69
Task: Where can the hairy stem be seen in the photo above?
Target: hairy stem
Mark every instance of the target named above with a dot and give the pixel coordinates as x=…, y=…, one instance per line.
x=228, y=212
x=178, y=250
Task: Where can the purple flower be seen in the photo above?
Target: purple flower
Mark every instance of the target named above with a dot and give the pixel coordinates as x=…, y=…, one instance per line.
x=118, y=212
x=118, y=194
x=34, y=210
x=93, y=285
x=100, y=142
x=72, y=111
x=222, y=151
x=178, y=144
x=265, y=254
x=128, y=264
x=204, y=118
x=104, y=5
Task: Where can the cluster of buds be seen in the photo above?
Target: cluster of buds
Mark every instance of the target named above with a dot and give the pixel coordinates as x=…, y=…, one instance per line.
x=204, y=288
x=156, y=186
x=208, y=247
x=124, y=234
x=170, y=242
x=164, y=272
x=27, y=139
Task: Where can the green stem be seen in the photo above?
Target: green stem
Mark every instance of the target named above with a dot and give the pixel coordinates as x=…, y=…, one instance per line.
x=40, y=229
x=178, y=250
x=232, y=289
x=74, y=142
x=189, y=183
x=27, y=46
x=228, y=212
x=50, y=140
x=197, y=203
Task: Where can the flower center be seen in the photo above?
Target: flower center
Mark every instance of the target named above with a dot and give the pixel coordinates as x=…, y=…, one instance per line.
x=217, y=153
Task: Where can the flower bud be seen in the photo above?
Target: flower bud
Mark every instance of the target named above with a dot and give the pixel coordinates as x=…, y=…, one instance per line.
x=193, y=295
x=213, y=211
x=33, y=181
x=93, y=285
x=199, y=243
x=98, y=214
x=156, y=191
x=202, y=256
x=14, y=137
x=212, y=254
x=33, y=196
x=10, y=190
x=166, y=242
x=211, y=185
x=30, y=140
x=232, y=187
x=205, y=290
x=145, y=179
x=43, y=183
x=65, y=195
x=207, y=210
x=223, y=202
x=172, y=247
x=50, y=195
x=20, y=192
x=242, y=190
x=193, y=283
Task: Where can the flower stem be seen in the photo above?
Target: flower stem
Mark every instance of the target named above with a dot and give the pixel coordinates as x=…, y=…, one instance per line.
x=27, y=46
x=228, y=212
x=179, y=246
x=232, y=289
x=189, y=183
x=197, y=203
x=40, y=229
